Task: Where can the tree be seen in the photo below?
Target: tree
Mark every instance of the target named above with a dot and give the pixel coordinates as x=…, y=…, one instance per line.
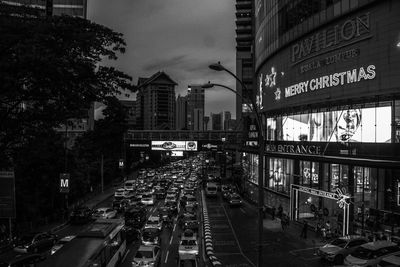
x=50, y=72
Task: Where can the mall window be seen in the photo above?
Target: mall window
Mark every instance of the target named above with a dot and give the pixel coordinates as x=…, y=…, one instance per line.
x=397, y=121
x=367, y=124
x=309, y=174
x=250, y=167
x=280, y=174
x=339, y=177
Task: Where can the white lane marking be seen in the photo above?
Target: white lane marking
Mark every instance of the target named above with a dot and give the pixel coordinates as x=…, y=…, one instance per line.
x=126, y=254
x=170, y=241
x=174, y=228
x=243, y=210
x=166, y=257
x=237, y=241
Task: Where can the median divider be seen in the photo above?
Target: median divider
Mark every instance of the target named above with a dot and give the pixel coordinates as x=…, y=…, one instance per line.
x=208, y=243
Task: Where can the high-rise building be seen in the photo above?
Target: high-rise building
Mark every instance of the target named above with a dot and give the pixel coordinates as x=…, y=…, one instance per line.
x=216, y=120
x=207, y=123
x=195, y=107
x=181, y=113
x=156, y=97
x=244, y=56
x=38, y=8
x=227, y=118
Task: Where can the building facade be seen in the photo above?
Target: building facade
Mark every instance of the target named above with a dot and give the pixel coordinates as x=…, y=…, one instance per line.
x=195, y=107
x=76, y=8
x=130, y=106
x=216, y=121
x=329, y=89
x=156, y=97
x=244, y=55
x=181, y=113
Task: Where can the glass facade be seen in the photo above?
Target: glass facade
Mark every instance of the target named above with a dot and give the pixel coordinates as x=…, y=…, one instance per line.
x=367, y=124
x=250, y=167
x=280, y=175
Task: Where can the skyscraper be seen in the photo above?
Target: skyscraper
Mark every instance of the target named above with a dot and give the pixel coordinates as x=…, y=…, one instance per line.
x=195, y=107
x=216, y=120
x=244, y=56
x=181, y=113
x=76, y=8
x=227, y=118
x=157, y=102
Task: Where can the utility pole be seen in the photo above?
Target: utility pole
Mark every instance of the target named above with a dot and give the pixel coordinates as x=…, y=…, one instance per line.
x=102, y=172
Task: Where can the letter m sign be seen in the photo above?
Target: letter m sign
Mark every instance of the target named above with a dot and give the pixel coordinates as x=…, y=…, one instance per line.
x=64, y=182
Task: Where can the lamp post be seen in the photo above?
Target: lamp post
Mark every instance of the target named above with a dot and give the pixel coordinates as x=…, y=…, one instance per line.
x=253, y=108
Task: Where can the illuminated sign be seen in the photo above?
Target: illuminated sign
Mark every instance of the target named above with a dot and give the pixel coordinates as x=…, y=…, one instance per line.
x=174, y=145
x=294, y=149
x=332, y=80
x=352, y=30
x=64, y=182
x=176, y=153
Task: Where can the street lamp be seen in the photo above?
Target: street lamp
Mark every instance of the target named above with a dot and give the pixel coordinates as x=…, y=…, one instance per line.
x=254, y=110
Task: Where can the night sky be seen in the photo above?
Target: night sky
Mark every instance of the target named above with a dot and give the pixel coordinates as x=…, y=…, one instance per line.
x=179, y=37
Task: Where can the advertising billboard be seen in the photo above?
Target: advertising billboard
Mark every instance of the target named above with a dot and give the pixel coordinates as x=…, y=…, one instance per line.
x=174, y=145
x=176, y=153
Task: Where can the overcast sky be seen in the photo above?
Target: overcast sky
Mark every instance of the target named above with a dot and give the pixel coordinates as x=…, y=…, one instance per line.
x=179, y=37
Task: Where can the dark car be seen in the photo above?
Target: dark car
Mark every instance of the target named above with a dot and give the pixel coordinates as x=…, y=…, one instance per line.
x=189, y=221
x=151, y=236
x=81, y=215
x=6, y=245
x=172, y=206
x=35, y=242
x=165, y=213
x=135, y=216
x=22, y=260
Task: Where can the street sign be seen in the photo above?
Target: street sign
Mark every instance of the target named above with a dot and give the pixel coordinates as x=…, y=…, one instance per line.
x=7, y=194
x=64, y=182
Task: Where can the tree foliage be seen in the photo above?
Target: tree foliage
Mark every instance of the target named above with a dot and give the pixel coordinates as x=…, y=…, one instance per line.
x=50, y=72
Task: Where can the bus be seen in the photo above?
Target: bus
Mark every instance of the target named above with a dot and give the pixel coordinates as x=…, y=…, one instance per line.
x=101, y=244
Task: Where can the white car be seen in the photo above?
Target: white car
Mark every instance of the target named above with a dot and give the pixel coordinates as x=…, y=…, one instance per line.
x=120, y=192
x=154, y=222
x=371, y=253
x=60, y=243
x=390, y=261
x=188, y=243
x=129, y=185
x=105, y=213
x=337, y=249
x=147, y=256
x=170, y=198
x=147, y=199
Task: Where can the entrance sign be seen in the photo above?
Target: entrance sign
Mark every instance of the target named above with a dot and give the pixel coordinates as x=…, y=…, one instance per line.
x=64, y=182
x=7, y=194
x=342, y=199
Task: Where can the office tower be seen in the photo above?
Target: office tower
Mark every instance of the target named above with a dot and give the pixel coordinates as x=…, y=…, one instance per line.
x=195, y=107
x=216, y=121
x=181, y=113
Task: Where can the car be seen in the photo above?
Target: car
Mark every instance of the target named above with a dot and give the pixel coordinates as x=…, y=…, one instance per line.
x=147, y=199
x=235, y=200
x=188, y=260
x=170, y=198
x=147, y=256
x=81, y=214
x=120, y=192
x=135, y=216
x=129, y=185
x=21, y=260
x=189, y=221
x=188, y=243
x=153, y=222
x=151, y=236
x=172, y=206
x=165, y=213
x=191, y=201
x=369, y=254
x=336, y=250
x=390, y=261
x=104, y=213
x=35, y=242
x=60, y=243
x=225, y=188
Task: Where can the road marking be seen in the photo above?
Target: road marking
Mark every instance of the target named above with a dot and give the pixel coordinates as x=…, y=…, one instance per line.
x=234, y=235
x=242, y=210
x=166, y=257
x=126, y=254
x=174, y=228
x=170, y=241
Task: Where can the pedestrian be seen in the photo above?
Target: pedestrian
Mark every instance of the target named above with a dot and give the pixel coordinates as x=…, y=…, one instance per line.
x=328, y=229
x=319, y=229
x=304, y=230
x=264, y=211
x=280, y=211
x=284, y=222
x=273, y=212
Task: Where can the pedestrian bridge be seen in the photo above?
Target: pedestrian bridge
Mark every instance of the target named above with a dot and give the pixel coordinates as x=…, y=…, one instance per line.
x=184, y=135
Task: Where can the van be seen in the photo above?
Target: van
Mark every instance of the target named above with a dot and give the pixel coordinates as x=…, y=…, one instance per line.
x=211, y=189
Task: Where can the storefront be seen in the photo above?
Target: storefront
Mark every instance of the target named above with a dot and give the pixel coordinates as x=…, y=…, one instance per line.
x=329, y=94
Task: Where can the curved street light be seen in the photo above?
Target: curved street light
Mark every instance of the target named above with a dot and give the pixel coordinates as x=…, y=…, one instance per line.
x=219, y=67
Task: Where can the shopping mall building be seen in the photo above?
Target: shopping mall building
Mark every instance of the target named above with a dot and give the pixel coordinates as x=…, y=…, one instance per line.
x=328, y=79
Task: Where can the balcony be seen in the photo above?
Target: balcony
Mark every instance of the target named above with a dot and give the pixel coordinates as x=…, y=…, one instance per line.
x=243, y=21
x=243, y=5
x=243, y=29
